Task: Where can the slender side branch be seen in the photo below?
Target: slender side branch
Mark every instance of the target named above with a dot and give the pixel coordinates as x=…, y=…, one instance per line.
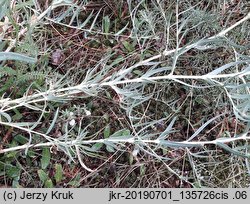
x=224, y=32
x=169, y=52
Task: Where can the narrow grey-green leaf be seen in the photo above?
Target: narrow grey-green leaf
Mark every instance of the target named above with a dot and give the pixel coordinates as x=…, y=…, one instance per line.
x=166, y=143
x=87, y=20
x=227, y=148
x=53, y=122
x=226, y=66
x=122, y=30
x=6, y=116
x=16, y=56
x=203, y=126
x=165, y=133
x=94, y=21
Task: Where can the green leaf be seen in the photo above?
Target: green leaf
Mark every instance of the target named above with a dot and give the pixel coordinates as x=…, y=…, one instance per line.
x=197, y=184
x=118, y=60
x=129, y=47
x=110, y=149
x=138, y=72
x=131, y=159
x=11, y=154
x=7, y=71
x=42, y=175
x=31, y=154
x=17, y=115
x=48, y=184
x=23, y=4
x=76, y=181
x=97, y=146
x=46, y=156
x=13, y=172
x=107, y=132
x=59, y=173
x=16, y=56
x=122, y=133
x=8, y=84
x=142, y=170
x=21, y=139
x=106, y=24
x=110, y=146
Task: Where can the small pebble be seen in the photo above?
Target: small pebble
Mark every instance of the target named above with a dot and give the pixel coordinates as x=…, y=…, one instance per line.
x=57, y=57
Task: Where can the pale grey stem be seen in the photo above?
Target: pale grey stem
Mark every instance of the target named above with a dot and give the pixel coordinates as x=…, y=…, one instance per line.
x=81, y=161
